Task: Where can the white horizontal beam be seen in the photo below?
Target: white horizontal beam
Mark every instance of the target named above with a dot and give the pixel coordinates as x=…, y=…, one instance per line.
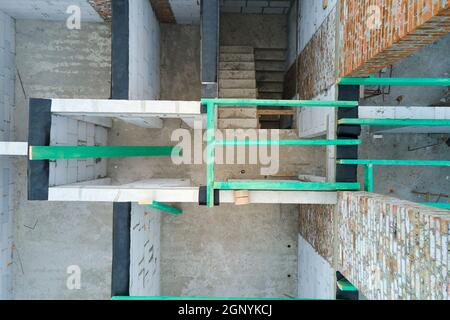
x=133, y=108
x=402, y=112
x=123, y=194
x=139, y=191
x=13, y=148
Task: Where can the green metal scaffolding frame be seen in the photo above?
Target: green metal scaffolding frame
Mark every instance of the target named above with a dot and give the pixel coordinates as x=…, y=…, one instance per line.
x=369, y=165
x=211, y=185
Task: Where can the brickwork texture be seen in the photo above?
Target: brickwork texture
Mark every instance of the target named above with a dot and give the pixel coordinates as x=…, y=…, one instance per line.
x=388, y=248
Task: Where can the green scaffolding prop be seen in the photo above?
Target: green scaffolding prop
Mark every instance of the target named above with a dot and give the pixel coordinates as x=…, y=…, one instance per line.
x=345, y=285
x=286, y=185
x=369, y=164
x=211, y=107
x=86, y=152
x=164, y=207
x=413, y=82
x=439, y=205
x=288, y=142
x=175, y=298
x=397, y=122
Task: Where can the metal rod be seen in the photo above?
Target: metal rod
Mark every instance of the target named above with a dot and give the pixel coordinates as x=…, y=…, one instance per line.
x=397, y=122
x=434, y=163
x=368, y=178
x=288, y=142
x=279, y=103
x=86, y=152
x=395, y=81
x=439, y=205
x=210, y=154
x=286, y=185
x=164, y=207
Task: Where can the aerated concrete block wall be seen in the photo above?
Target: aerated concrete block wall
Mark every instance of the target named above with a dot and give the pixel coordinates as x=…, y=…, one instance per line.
x=144, y=84
x=7, y=100
x=145, y=271
x=144, y=52
x=66, y=131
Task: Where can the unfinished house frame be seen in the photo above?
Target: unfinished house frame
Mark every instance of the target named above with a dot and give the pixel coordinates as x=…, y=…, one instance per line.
x=306, y=89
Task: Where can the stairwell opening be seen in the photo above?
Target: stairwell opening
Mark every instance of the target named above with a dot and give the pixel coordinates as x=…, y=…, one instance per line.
x=253, y=63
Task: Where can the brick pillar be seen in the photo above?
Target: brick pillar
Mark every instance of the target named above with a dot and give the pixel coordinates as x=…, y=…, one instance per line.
x=377, y=33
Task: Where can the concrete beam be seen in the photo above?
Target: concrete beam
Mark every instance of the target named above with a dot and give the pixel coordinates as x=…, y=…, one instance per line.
x=177, y=191
x=132, y=108
x=13, y=148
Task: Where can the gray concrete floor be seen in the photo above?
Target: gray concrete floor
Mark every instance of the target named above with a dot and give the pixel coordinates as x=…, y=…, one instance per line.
x=54, y=62
x=402, y=182
x=226, y=251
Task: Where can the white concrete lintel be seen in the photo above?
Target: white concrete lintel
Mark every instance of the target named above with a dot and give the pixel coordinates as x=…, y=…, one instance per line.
x=13, y=148
x=181, y=194
x=404, y=112
x=130, y=108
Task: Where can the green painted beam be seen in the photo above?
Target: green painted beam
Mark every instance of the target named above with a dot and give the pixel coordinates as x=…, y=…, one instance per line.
x=279, y=103
x=285, y=185
x=175, y=298
x=439, y=205
x=397, y=122
x=368, y=178
x=433, y=163
x=419, y=82
x=288, y=142
x=210, y=154
x=86, y=152
x=164, y=207
x=345, y=285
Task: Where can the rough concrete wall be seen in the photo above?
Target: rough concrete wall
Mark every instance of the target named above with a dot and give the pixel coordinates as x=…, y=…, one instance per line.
x=393, y=249
x=292, y=48
x=7, y=76
x=163, y=11
x=375, y=34
x=317, y=61
x=144, y=50
x=180, y=62
x=103, y=8
x=316, y=276
x=250, y=252
x=145, y=252
x=67, y=131
x=311, y=15
x=316, y=225
x=258, y=31
x=50, y=237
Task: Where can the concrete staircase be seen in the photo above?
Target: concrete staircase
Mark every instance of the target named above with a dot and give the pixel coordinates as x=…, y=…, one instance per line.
x=237, y=79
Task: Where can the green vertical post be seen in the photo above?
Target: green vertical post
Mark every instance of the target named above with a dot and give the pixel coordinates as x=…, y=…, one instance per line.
x=210, y=153
x=368, y=178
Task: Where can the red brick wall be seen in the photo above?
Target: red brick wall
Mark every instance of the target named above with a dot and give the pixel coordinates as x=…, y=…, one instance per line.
x=376, y=33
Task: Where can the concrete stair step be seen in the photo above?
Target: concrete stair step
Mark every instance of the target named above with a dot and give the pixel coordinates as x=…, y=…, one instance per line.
x=237, y=57
x=237, y=84
x=269, y=76
x=270, y=54
x=279, y=66
x=236, y=74
x=238, y=113
x=241, y=66
x=276, y=87
x=270, y=95
x=238, y=93
x=238, y=123
x=236, y=49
